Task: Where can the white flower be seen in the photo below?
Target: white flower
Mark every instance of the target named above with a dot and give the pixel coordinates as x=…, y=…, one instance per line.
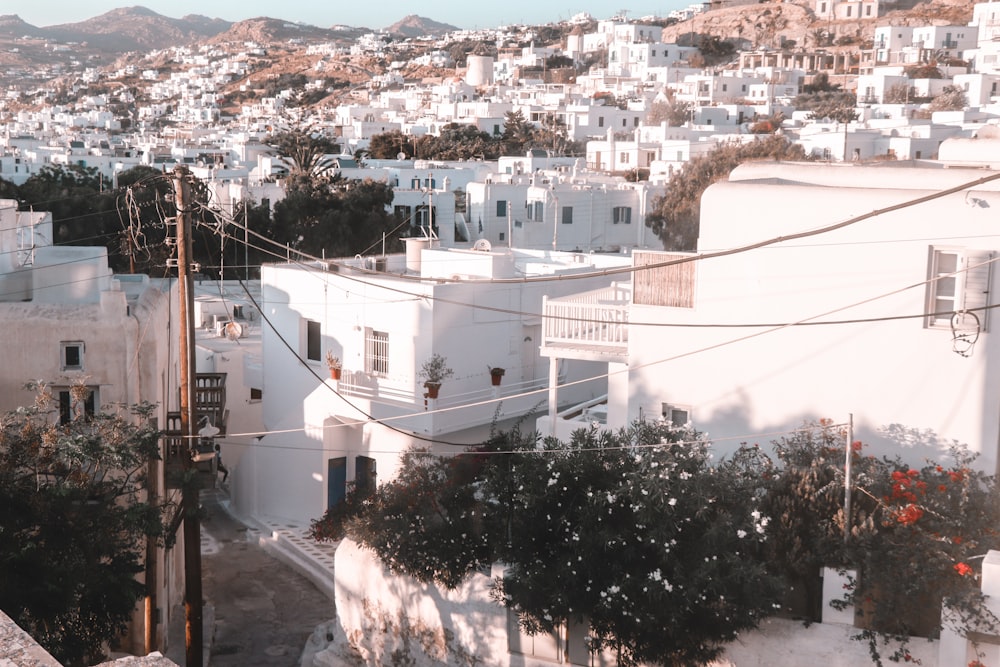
x=672, y=502
x=741, y=533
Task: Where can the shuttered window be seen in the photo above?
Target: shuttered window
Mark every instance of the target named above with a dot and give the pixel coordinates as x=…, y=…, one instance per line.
x=958, y=280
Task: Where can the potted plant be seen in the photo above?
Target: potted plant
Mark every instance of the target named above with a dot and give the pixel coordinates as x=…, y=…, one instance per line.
x=434, y=370
x=495, y=375
x=333, y=363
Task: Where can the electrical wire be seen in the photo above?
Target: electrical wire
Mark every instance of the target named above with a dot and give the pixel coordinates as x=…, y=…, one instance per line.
x=679, y=325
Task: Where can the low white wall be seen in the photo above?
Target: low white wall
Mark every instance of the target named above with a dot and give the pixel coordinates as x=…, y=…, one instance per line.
x=381, y=614
x=384, y=619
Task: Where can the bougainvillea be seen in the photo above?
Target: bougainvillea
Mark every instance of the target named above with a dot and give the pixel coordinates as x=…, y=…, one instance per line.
x=916, y=536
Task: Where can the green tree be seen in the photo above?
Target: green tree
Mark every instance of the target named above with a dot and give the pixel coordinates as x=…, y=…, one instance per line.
x=517, y=133
x=633, y=534
x=73, y=524
x=388, y=145
x=675, y=216
x=340, y=219
x=306, y=152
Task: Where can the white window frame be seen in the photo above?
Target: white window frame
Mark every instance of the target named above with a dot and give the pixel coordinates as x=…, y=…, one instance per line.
x=376, y=352
x=64, y=348
x=621, y=215
x=966, y=288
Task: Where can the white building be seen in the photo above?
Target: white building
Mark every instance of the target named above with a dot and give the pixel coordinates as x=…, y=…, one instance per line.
x=859, y=320
x=479, y=309
x=68, y=321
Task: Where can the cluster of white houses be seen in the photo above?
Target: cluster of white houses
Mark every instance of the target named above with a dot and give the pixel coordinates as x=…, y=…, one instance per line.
x=818, y=290
x=887, y=318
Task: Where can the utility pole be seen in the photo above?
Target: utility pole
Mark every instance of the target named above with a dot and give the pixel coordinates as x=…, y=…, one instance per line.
x=193, y=634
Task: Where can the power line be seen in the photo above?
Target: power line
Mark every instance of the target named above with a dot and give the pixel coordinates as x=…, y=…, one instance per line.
x=433, y=297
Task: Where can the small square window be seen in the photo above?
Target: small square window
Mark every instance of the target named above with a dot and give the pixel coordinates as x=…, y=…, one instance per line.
x=71, y=356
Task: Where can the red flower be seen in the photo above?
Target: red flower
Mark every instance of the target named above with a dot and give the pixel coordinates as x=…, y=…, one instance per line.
x=963, y=569
x=898, y=476
x=909, y=515
x=856, y=445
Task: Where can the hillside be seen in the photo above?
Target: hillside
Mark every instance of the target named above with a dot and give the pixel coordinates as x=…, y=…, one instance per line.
x=768, y=25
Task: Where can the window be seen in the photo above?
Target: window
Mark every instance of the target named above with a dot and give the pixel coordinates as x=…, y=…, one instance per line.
x=958, y=280
x=71, y=355
x=537, y=211
x=623, y=158
x=256, y=395
x=600, y=121
x=424, y=217
x=567, y=215
x=377, y=352
x=401, y=212
x=675, y=415
x=621, y=215
x=77, y=402
x=501, y=208
x=313, y=344
x=848, y=11
x=365, y=474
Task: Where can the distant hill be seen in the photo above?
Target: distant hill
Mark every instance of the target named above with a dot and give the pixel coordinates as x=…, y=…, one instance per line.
x=264, y=30
x=135, y=29
x=419, y=26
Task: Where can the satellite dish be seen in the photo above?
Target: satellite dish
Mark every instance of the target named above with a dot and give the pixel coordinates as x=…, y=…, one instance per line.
x=234, y=330
x=400, y=155
x=482, y=245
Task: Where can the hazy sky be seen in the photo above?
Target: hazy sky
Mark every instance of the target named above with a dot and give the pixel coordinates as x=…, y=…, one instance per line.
x=324, y=13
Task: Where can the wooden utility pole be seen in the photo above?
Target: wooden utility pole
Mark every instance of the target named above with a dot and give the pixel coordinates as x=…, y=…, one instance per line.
x=193, y=635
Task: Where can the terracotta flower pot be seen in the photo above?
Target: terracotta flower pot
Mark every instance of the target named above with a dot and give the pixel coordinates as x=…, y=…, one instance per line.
x=335, y=373
x=432, y=389
x=495, y=379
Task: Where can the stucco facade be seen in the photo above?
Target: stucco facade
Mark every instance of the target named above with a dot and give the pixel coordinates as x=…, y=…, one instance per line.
x=469, y=306
x=833, y=324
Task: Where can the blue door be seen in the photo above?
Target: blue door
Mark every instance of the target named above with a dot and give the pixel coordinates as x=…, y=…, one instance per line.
x=336, y=481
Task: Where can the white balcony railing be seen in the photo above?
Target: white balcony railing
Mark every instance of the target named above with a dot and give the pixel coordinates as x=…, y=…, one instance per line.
x=593, y=320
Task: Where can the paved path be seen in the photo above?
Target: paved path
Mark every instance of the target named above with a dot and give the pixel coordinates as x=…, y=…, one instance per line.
x=264, y=611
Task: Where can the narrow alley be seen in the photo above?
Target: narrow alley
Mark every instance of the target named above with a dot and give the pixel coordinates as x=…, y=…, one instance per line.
x=263, y=610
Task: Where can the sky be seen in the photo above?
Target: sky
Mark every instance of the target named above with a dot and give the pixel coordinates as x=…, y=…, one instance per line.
x=323, y=13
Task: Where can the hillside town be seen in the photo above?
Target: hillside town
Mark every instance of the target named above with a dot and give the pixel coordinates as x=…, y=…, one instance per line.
x=545, y=290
